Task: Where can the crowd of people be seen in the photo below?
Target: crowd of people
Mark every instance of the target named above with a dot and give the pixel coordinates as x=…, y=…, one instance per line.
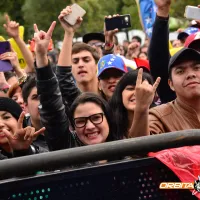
x=97, y=90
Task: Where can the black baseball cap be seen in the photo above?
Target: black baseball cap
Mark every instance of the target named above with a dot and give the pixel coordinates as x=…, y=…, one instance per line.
x=183, y=55
x=93, y=36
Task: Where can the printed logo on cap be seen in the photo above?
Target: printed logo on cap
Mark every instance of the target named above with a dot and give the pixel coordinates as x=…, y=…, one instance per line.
x=102, y=64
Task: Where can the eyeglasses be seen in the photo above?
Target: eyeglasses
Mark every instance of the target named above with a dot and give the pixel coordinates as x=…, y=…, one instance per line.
x=96, y=119
x=97, y=44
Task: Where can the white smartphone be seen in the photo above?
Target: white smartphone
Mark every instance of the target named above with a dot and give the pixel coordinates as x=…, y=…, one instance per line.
x=192, y=12
x=77, y=11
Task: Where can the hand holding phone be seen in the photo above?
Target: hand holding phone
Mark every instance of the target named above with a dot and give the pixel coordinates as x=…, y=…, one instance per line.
x=77, y=11
x=192, y=12
x=119, y=22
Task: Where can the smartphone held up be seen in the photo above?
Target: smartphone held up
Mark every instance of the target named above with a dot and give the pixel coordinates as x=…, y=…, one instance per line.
x=192, y=12
x=120, y=22
x=77, y=11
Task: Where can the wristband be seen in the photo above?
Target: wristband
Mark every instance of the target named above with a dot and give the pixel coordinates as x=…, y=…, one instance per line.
x=4, y=89
x=109, y=44
x=162, y=18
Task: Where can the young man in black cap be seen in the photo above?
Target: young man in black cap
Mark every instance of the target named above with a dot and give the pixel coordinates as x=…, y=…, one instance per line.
x=184, y=112
x=105, y=43
x=95, y=40
x=159, y=54
x=184, y=79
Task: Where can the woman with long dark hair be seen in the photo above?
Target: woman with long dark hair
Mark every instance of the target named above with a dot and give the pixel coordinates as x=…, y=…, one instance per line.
x=124, y=100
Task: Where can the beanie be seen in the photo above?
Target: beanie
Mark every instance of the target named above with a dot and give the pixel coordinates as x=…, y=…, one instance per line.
x=9, y=105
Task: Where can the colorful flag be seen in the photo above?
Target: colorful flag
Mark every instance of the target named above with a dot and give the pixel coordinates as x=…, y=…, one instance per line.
x=147, y=11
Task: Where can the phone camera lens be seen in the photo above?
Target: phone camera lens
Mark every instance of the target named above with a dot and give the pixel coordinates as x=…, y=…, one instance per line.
x=126, y=19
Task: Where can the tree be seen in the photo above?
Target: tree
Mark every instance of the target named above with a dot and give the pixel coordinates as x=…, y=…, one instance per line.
x=13, y=8
x=178, y=7
x=43, y=12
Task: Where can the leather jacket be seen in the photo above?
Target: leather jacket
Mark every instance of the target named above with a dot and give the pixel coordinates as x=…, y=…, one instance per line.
x=32, y=150
x=52, y=109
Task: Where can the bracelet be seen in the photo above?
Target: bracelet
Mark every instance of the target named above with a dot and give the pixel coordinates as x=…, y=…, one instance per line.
x=22, y=79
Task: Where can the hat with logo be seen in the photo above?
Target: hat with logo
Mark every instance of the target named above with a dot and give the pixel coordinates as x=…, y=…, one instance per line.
x=183, y=55
x=111, y=61
x=192, y=38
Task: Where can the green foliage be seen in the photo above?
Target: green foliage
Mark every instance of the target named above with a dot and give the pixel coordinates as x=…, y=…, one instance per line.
x=13, y=8
x=2, y=31
x=178, y=7
x=177, y=11
x=43, y=12
x=93, y=20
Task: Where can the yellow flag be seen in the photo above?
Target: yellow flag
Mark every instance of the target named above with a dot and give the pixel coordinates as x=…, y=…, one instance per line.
x=174, y=50
x=170, y=45
x=2, y=39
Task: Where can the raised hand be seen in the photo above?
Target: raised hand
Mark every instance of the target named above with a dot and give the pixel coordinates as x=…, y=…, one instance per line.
x=163, y=3
x=133, y=45
x=42, y=39
x=144, y=92
x=12, y=57
x=67, y=27
x=11, y=27
x=23, y=137
x=109, y=35
x=163, y=7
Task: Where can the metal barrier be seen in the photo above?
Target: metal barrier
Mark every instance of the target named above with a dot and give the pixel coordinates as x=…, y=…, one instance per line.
x=125, y=179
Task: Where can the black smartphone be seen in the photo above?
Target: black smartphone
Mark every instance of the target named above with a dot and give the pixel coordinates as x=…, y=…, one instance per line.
x=122, y=21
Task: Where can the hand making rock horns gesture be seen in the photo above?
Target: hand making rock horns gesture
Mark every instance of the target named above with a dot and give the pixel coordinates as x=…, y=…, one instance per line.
x=23, y=137
x=144, y=91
